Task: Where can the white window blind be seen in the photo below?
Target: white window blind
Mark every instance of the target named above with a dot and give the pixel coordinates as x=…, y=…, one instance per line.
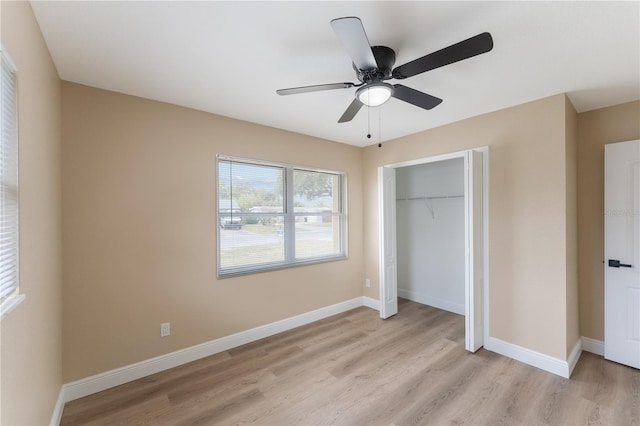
x=276, y=215
x=9, y=183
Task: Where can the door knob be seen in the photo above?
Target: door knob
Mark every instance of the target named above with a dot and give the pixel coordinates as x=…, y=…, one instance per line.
x=614, y=263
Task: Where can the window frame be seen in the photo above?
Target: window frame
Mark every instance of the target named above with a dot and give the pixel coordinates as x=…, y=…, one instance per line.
x=14, y=298
x=289, y=220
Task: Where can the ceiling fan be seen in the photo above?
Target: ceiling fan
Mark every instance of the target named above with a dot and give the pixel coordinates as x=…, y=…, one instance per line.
x=374, y=65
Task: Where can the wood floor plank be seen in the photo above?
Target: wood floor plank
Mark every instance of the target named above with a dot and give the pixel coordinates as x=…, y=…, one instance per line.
x=230, y=374
x=357, y=369
x=133, y=413
x=117, y=398
x=282, y=394
x=428, y=400
x=518, y=386
x=473, y=401
x=385, y=342
x=382, y=385
x=217, y=413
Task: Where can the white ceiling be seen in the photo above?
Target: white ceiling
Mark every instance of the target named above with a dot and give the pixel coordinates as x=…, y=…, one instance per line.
x=229, y=58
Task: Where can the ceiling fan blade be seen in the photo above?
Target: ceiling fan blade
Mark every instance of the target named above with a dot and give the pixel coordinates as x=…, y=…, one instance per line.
x=316, y=88
x=351, y=33
x=415, y=97
x=351, y=111
x=468, y=48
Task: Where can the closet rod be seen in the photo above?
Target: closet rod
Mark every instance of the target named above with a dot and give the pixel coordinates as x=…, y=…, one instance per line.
x=429, y=198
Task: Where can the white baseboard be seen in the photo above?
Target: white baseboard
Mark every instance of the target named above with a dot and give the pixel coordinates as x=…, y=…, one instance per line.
x=574, y=356
x=371, y=303
x=456, y=308
x=545, y=362
x=57, y=410
x=533, y=358
x=118, y=376
x=592, y=345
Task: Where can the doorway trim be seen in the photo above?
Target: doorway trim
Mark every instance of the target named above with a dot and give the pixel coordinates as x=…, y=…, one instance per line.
x=474, y=338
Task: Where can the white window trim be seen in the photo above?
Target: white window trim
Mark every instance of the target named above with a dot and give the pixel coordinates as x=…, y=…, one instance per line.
x=10, y=303
x=289, y=218
x=13, y=300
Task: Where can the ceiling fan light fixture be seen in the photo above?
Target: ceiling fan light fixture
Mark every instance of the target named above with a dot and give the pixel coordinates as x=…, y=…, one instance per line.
x=374, y=94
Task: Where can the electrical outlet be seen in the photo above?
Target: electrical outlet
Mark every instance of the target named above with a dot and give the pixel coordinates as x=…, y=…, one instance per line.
x=367, y=282
x=165, y=329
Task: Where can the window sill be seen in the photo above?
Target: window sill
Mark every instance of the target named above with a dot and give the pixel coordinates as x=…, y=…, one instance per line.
x=10, y=304
x=279, y=266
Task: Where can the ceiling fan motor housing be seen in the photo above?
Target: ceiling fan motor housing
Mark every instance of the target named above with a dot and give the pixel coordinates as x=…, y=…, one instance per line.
x=385, y=58
x=374, y=65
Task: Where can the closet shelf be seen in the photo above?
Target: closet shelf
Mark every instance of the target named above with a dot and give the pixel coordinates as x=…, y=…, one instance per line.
x=427, y=201
x=441, y=197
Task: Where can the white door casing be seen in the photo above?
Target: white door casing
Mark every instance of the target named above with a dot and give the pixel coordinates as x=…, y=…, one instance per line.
x=475, y=240
x=474, y=262
x=622, y=253
x=388, y=242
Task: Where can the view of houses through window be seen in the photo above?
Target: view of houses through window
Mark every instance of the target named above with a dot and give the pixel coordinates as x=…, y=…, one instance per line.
x=272, y=215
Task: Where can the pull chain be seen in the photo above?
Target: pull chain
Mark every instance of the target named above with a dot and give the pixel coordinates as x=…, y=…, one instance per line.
x=379, y=128
x=368, y=122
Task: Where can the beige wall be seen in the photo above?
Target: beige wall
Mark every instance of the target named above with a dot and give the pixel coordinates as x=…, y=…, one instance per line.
x=31, y=334
x=139, y=225
x=596, y=129
x=528, y=215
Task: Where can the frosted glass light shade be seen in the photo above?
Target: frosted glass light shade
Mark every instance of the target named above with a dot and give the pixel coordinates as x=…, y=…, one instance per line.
x=374, y=94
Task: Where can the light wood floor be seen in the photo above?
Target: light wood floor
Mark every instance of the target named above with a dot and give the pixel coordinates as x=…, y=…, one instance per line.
x=356, y=369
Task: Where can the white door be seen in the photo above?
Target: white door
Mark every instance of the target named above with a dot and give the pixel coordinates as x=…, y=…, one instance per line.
x=388, y=263
x=474, y=263
x=622, y=253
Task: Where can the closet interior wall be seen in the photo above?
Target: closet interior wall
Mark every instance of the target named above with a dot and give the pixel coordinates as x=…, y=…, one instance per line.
x=430, y=233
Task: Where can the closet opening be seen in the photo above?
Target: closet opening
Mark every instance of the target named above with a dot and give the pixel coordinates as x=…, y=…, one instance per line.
x=430, y=234
x=433, y=220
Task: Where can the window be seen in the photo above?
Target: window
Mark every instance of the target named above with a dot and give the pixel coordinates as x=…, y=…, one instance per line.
x=275, y=215
x=8, y=188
